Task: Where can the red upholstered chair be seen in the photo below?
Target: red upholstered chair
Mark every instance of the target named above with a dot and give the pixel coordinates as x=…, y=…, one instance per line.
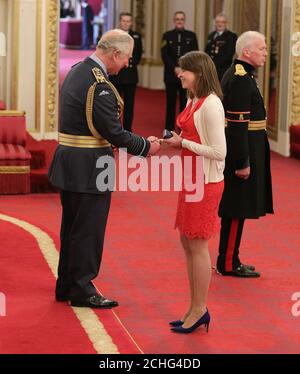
x=14, y=158
x=2, y=105
x=295, y=141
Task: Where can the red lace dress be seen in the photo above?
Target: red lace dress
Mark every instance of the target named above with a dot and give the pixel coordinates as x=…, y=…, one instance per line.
x=198, y=219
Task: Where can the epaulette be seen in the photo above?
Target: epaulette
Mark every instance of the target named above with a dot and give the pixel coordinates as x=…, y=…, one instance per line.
x=98, y=75
x=240, y=70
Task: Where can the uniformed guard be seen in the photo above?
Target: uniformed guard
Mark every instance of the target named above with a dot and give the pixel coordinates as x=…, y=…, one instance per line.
x=175, y=43
x=90, y=107
x=248, y=189
x=221, y=45
x=87, y=26
x=127, y=79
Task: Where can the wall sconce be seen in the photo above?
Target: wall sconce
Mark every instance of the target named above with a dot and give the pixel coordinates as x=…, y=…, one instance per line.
x=2, y=44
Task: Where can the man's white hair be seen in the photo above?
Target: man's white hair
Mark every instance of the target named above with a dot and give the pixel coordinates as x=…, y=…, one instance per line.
x=223, y=15
x=246, y=40
x=115, y=39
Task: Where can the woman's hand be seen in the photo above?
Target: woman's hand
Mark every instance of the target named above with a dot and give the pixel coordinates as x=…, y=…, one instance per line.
x=175, y=141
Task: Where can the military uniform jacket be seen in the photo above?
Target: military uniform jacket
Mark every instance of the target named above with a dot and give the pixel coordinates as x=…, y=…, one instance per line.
x=129, y=75
x=221, y=48
x=176, y=43
x=74, y=169
x=247, y=145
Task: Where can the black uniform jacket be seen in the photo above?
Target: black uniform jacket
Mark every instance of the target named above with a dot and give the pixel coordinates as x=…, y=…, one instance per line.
x=129, y=75
x=221, y=48
x=176, y=43
x=247, y=145
x=74, y=169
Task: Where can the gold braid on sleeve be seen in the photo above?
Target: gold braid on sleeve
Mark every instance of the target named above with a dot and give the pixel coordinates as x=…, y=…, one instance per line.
x=89, y=111
x=90, y=99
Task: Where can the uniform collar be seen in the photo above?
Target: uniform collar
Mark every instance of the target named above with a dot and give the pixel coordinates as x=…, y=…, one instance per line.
x=99, y=62
x=248, y=67
x=96, y=63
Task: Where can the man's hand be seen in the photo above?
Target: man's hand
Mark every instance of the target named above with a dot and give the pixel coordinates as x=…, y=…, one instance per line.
x=154, y=145
x=175, y=141
x=243, y=173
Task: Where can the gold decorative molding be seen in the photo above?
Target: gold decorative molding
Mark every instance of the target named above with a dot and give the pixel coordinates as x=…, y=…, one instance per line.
x=268, y=32
x=38, y=43
x=14, y=169
x=159, y=23
x=12, y=113
x=140, y=16
x=52, y=19
x=15, y=55
x=273, y=42
x=295, y=102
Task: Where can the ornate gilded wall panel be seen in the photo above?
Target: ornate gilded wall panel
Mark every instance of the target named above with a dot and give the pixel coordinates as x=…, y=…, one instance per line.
x=38, y=66
x=295, y=110
x=52, y=18
x=272, y=71
x=140, y=16
x=15, y=57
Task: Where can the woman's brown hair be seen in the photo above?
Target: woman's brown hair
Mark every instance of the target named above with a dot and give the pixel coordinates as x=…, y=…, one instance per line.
x=203, y=67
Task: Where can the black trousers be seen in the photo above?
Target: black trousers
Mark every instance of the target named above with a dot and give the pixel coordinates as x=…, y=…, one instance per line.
x=83, y=224
x=172, y=89
x=230, y=239
x=127, y=91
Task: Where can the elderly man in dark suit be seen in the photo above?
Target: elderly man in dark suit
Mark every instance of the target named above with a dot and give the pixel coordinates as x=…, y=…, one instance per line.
x=90, y=108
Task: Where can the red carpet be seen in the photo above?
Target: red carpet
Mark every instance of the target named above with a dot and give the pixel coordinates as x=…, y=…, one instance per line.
x=33, y=319
x=68, y=58
x=143, y=268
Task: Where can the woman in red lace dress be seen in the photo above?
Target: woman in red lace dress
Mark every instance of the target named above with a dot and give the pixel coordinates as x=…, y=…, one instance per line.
x=202, y=140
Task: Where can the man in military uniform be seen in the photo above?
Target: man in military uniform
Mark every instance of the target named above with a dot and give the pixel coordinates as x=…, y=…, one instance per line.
x=90, y=108
x=221, y=45
x=127, y=79
x=248, y=189
x=87, y=27
x=175, y=43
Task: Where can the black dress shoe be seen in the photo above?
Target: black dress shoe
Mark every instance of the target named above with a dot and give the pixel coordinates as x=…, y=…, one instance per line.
x=250, y=267
x=95, y=301
x=62, y=297
x=243, y=272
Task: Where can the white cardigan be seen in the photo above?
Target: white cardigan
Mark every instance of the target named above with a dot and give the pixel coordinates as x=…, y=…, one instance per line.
x=210, y=124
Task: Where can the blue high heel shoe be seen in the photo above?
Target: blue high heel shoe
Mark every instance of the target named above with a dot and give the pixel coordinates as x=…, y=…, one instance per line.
x=204, y=320
x=178, y=322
